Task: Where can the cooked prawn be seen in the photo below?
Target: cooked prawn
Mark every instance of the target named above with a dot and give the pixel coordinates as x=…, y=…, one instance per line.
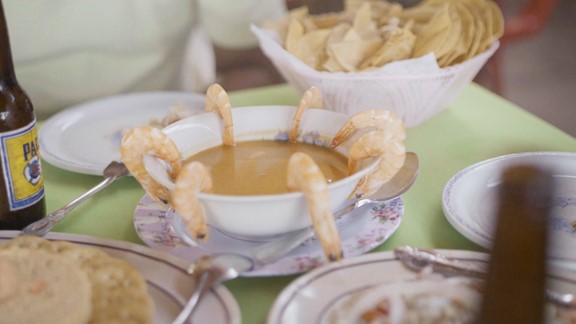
x=378, y=143
x=311, y=98
x=193, y=179
x=304, y=175
x=217, y=100
x=386, y=142
x=152, y=141
x=378, y=118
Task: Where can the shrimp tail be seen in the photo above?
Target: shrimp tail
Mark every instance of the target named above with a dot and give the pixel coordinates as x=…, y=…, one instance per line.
x=311, y=98
x=217, y=100
x=377, y=118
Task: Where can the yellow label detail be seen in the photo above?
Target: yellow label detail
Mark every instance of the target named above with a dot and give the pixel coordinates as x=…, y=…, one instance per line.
x=21, y=166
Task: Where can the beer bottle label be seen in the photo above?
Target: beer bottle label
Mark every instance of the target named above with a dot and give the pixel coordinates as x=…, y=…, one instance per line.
x=20, y=161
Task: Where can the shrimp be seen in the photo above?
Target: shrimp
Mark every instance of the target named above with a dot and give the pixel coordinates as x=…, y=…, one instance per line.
x=379, y=143
x=149, y=140
x=386, y=142
x=193, y=178
x=378, y=118
x=311, y=98
x=304, y=175
x=217, y=100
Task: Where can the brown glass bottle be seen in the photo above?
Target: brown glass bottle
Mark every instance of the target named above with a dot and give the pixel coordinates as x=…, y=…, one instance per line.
x=21, y=180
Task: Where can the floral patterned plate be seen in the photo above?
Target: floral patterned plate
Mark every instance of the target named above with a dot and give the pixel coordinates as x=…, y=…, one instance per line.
x=470, y=199
x=361, y=230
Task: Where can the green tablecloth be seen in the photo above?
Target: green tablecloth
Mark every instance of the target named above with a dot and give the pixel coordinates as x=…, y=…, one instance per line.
x=478, y=126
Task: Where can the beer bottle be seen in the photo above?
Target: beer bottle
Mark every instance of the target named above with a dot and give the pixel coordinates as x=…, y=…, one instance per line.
x=21, y=180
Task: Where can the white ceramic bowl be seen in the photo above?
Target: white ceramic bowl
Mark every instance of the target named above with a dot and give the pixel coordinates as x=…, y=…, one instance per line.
x=264, y=216
x=414, y=92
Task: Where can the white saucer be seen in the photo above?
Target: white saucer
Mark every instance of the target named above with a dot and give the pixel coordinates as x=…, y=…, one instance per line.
x=360, y=231
x=86, y=137
x=469, y=199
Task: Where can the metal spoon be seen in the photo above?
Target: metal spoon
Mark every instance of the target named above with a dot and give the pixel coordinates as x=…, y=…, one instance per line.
x=399, y=184
x=211, y=270
x=416, y=259
x=113, y=171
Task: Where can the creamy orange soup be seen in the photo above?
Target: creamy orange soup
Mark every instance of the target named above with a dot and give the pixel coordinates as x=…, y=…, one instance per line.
x=260, y=167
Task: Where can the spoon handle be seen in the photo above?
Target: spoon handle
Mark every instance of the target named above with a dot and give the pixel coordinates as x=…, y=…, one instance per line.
x=42, y=226
x=273, y=250
x=208, y=271
x=202, y=286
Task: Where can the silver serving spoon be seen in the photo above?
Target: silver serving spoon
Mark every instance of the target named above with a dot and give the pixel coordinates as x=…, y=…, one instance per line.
x=399, y=184
x=416, y=259
x=211, y=270
x=113, y=171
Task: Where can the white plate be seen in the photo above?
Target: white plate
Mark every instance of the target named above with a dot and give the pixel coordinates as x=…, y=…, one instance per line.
x=470, y=198
x=360, y=231
x=168, y=282
x=315, y=296
x=86, y=137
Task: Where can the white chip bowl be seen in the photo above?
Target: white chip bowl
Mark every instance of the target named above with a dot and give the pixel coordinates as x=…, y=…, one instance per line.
x=264, y=216
x=415, y=89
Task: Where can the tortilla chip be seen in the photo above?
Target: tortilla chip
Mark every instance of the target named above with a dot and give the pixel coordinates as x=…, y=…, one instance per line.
x=363, y=24
x=435, y=33
x=399, y=46
x=310, y=48
x=350, y=54
x=479, y=27
x=293, y=36
x=452, y=47
x=466, y=37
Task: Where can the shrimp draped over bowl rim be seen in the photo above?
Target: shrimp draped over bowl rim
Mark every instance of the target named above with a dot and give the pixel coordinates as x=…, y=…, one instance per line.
x=217, y=100
x=312, y=98
x=385, y=140
x=304, y=175
x=194, y=178
x=152, y=141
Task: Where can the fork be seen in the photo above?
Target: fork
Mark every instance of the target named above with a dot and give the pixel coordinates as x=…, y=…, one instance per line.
x=416, y=259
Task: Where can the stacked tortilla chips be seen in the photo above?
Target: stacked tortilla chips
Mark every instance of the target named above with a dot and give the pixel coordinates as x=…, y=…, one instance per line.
x=371, y=33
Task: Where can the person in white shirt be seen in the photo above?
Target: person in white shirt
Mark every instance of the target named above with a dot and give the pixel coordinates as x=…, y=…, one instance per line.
x=71, y=51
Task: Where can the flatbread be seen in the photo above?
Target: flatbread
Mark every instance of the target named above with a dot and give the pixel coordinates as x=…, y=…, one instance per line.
x=39, y=287
x=119, y=292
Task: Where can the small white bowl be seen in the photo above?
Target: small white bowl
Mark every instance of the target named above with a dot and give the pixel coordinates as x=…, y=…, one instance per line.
x=264, y=216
